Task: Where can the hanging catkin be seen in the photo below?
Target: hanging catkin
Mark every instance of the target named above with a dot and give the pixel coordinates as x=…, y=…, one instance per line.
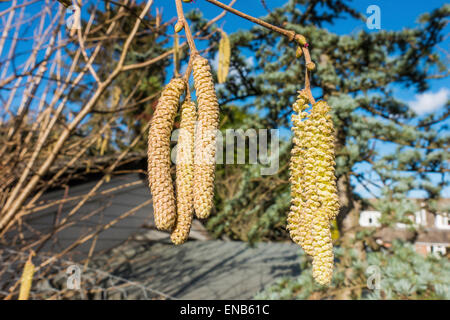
x=313, y=185
x=159, y=161
x=326, y=183
x=224, y=58
x=300, y=215
x=205, y=137
x=26, y=280
x=185, y=174
x=326, y=192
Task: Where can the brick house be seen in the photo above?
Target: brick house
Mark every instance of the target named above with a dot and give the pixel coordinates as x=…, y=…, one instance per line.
x=433, y=234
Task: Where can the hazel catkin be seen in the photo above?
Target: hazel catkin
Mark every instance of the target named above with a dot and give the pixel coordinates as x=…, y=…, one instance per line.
x=314, y=201
x=185, y=174
x=300, y=215
x=160, y=179
x=205, y=137
x=26, y=280
x=326, y=182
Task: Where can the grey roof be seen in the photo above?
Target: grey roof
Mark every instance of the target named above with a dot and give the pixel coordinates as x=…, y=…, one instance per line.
x=114, y=198
x=135, y=251
x=202, y=269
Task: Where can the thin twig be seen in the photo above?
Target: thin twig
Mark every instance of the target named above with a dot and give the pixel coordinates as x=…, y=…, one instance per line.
x=187, y=30
x=290, y=34
x=181, y=46
x=287, y=33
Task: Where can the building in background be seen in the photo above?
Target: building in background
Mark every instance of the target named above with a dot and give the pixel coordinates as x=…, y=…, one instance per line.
x=433, y=230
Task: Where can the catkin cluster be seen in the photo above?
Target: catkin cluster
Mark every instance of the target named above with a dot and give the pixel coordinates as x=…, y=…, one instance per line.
x=313, y=185
x=160, y=179
x=205, y=137
x=195, y=154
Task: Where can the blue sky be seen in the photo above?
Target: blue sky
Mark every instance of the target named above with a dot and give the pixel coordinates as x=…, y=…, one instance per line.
x=395, y=15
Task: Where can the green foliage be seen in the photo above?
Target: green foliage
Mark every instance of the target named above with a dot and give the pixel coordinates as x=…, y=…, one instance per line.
x=404, y=274
x=358, y=75
x=250, y=206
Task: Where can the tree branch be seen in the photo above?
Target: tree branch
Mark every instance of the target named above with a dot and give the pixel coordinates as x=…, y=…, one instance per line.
x=187, y=30
x=290, y=34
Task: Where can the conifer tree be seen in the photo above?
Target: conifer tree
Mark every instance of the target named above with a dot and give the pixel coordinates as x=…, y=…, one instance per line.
x=357, y=75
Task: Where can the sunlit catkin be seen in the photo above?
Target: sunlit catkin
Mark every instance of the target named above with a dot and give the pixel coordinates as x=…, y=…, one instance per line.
x=26, y=280
x=300, y=215
x=313, y=185
x=205, y=137
x=185, y=174
x=326, y=180
x=159, y=161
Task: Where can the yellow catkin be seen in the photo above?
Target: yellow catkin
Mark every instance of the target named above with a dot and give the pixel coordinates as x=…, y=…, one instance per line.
x=313, y=185
x=325, y=190
x=160, y=180
x=300, y=216
x=26, y=280
x=185, y=174
x=205, y=138
x=326, y=183
x=224, y=58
